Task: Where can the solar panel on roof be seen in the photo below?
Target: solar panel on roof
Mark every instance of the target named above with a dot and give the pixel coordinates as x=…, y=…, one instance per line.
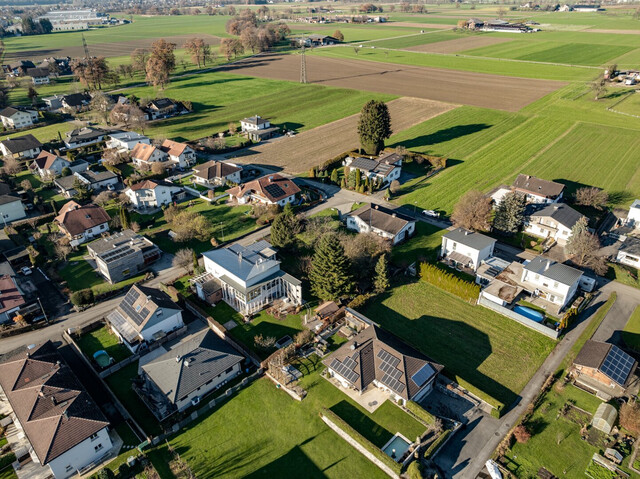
x=617, y=365
x=425, y=373
x=394, y=384
x=350, y=363
x=274, y=190
x=388, y=358
x=349, y=374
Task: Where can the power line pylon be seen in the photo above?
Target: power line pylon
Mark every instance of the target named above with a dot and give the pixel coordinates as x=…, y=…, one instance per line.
x=303, y=66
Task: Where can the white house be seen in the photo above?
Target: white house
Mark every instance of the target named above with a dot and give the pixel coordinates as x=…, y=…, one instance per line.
x=250, y=277
x=82, y=223
x=126, y=140
x=551, y=281
x=257, y=128
x=384, y=169
x=47, y=165
x=629, y=252
x=465, y=248
x=185, y=372
x=13, y=118
x=21, y=147
x=145, y=153
x=180, y=154
x=11, y=209
x=216, y=173
x=553, y=221
x=39, y=76
x=152, y=193
x=270, y=190
x=84, y=137
x=95, y=181
x=537, y=190
x=143, y=316
x=65, y=428
x=376, y=219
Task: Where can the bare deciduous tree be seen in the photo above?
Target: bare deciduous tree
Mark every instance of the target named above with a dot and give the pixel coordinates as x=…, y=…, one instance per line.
x=11, y=166
x=183, y=259
x=592, y=196
x=472, y=211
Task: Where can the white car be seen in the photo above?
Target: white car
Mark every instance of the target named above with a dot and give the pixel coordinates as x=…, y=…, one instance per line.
x=26, y=270
x=433, y=214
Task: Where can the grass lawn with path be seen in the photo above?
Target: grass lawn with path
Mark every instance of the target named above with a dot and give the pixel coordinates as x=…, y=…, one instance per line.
x=631, y=331
x=624, y=274
x=103, y=339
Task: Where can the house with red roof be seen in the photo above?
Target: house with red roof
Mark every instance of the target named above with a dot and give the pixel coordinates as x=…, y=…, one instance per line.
x=48, y=165
x=152, y=193
x=11, y=298
x=172, y=153
x=270, y=190
x=82, y=223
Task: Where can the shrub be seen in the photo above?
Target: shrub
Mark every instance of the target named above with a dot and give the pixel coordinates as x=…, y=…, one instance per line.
x=7, y=459
x=420, y=412
x=359, y=301
x=82, y=297
x=105, y=473
x=630, y=416
x=414, y=471
x=521, y=434
x=124, y=471
x=334, y=162
x=435, y=445
x=466, y=290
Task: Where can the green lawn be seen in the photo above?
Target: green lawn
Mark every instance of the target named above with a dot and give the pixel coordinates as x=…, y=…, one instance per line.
x=623, y=274
x=631, y=332
x=44, y=133
x=415, y=40
x=492, y=356
x=103, y=339
x=423, y=246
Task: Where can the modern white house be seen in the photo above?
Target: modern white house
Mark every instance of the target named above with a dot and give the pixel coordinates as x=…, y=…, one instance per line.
x=537, y=190
x=21, y=147
x=50, y=408
x=143, y=316
x=384, y=222
x=467, y=249
x=85, y=136
x=39, y=76
x=629, y=252
x=549, y=280
x=13, y=118
x=257, y=128
x=553, y=221
x=82, y=223
x=152, y=193
x=633, y=217
x=384, y=169
x=250, y=277
x=124, y=141
x=95, y=181
x=11, y=209
x=216, y=173
x=270, y=190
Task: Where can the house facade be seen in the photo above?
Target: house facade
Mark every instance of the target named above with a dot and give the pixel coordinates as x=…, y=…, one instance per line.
x=13, y=118
x=146, y=154
x=93, y=181
x=11, y=298
x=251, y=277
x=216, y=173
x=554, y=282
x=270, y=190
x=84, y=137
x=48, y=165
x=629, y=252
x=11, y=209
x=180, y=154
x=381, y=221
x=383, y=170
x=82, y=223
x=537, y=190
x=21, y=147
x=152, y=194
x=39, y=76
x=553, y=221
x=257, y=128
x=126, y=141
x=467, y=249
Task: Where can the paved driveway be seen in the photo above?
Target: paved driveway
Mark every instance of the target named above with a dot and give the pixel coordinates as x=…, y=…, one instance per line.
x=628, y=298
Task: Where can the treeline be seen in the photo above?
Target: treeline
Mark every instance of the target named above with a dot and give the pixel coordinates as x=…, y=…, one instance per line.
x=250, y=35
x=31, y=26
x=465, y=290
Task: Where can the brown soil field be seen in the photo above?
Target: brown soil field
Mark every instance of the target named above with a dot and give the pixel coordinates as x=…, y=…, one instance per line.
x=458, y=45
x=310, y=148
x=326, y=26
x=477, y=89
x=115, y=49
x=604, y=30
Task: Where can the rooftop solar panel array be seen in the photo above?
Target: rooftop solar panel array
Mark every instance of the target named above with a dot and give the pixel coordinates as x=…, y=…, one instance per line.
x=390, y=370
x=387, y=357
x=617, y=365
x=394, y=384
x=392, y=373
x=425, y=373
x=127, y=306
x=274, y=190
x=349, y=374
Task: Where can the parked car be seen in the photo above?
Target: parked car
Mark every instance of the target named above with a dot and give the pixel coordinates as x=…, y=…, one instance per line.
x=26, y=270
x=432, y=213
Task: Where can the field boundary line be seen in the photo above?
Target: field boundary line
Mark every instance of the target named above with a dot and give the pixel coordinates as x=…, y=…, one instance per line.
x=401, y=36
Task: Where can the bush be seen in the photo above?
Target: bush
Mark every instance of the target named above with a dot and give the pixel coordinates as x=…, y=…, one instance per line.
x=521, y=434
x=420, y=412
x=7, y=459
x=359, y=301
x=82, y=297
x=105, y=473
x=466, y=290
x=435, y=445
x=124, y=471
x=334, y=162
x=414, y=471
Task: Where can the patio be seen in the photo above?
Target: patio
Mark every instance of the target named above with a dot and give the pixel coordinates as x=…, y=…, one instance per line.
x=370, y=399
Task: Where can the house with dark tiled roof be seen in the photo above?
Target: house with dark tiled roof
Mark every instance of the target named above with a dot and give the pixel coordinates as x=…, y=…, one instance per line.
x=375, y=358
x=73, y=101
x=152, y=193
x=257, y=128
x=39, y=76
x=553, y=221
x=161, y=108
x=270, y=190
x=51, y=408
x=629, y=252
x=187, y=371
x=381, y=221
x=82, y=223
x=216, y=173
x=143, y=316
x=537, y=190
x=93, y=180
x=384, y=169
x=11, y=209
x=21, y=147
x=467, y=249
x=15, y=118
x=85, y=136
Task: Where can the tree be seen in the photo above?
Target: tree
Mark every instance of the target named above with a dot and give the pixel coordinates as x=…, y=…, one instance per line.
x=91, y=71
x=472, y=211
x=284, y=229
x=510, y=213
x=381, y=282
x=45, y=25
x=188, y=225
x=33, y=95
x=11, y=166
x=592, y=196
x=137, y=118
x=394, y=187
x=102, y=198
x=231, y=47
x=100, y=106
x=26, y=185
x=374, y=126
x=82, y=192
x=158, y=168
x=249, y=39
x=125, y=219
x=183, y=259
x=139, y=59
x=521, y=434
x=338, y=36
x=329, y=275
x=162, y=61
x=195, y=48
x=582, y=244
x=598, y=87
x=62, y=250
x=66, y=171
x=630, y=416
x=334, y=176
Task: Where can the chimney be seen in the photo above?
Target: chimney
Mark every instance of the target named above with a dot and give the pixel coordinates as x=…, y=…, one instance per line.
x=270, y=179
x=547, y=265
x=53, y=400
x=466, y=232
x=354, y=346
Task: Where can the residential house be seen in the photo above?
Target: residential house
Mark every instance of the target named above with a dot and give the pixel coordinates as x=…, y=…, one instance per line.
x=85, y=136
x=629, y=252
x=564, y=8
x=75, y=101
x=82, y=223
x=216, y=173
x=384, y=222
x=537, y=190
x=65, y=428
x=633, y=217
x=146, y=154
x=143, y=316
x=375, y=358
x=95, y=181
x=587, y=8
x=124, y=141
x=555, y=282
x=152, y=193
x=47, y=165
x=13, y=118
x=11, y=298
x=316, y=40
x=39, y=76
x=553, y=221
x=20, y=68
x=466, y=249
x=54, y=102
x=180, y=155
x=257, y=128
x=11, y=209
x=161, y=108
x=122, y=255
x=383, y=170
x=187, y=371
x=603, y=369
x=21, y=147
x=251, y=277
x=270, y=190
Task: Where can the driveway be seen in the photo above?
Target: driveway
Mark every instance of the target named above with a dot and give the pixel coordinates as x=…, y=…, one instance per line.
x=628, y=298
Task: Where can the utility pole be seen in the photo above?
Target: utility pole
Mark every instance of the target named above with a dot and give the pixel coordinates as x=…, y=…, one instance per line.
x=303, y=66
x=86, y=48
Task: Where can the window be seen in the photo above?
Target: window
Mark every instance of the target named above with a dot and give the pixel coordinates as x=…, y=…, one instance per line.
x=97, y=448
x=555, y=285
x=228, y=371
x=93, y=437
x=69, y=468
x=453, y=246
x=537, y=277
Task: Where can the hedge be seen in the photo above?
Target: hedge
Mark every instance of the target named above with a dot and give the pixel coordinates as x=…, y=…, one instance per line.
x=363, y=441
x=435, y=445
x=420, y=412
x=6, y=460
x=465, y=290
x=82, y=297
x=334, y=162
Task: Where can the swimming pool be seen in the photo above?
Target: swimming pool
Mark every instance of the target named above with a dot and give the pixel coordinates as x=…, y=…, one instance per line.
x=529, y=313
x=102, y=358
x=396, y=447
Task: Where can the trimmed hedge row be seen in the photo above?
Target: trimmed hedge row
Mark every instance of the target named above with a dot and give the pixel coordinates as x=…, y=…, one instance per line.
x=420, y=412
x=6, y=460
x=334, y=162
x=363, y=441
x=465, y=290
x=435, y=445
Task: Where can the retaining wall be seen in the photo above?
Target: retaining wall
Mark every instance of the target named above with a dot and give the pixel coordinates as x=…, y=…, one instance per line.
x=551, y=333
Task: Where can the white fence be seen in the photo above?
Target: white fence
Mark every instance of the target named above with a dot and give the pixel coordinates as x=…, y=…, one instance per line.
x=551, y=333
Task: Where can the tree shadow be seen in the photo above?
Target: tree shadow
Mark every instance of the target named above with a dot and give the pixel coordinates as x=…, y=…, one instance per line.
x=366, y=426
x=294, y=463
x=444, y=135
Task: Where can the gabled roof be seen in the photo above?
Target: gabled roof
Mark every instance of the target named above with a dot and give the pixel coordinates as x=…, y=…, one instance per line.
x=559, y=272
x=76, y=99
x=10, y=296
x=377, y=354
x=382, y=218
x=143, y=152
x=9, y=111
x=255, y=120
x=561, y=213
x=215, y=169
x=631, y=245
x=6, y=199
x=55, y=411
x=173, y=148
x=45, y=160
x=272, y=187
x=19, y=144
x=468, y=238
x=160, y=103
x=608, y=359
x=38, y=72
x=538, y=186
x=86, y=133
x=151, y=185
x=381, y=166
x=76, y=219
x=191, y=363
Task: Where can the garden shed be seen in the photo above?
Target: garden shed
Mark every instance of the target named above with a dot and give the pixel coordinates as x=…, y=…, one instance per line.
x=605, y=418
